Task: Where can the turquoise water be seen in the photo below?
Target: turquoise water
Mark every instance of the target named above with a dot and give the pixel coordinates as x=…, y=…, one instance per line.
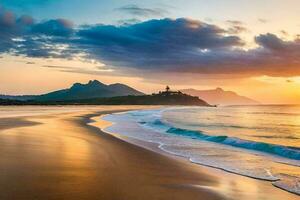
x=261, y=142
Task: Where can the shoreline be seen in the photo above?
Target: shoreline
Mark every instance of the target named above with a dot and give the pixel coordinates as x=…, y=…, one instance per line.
x=62, y=157
x=156, y=147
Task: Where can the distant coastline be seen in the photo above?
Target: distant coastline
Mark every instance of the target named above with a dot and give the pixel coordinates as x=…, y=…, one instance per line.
x=97, y=93
x=154, y=99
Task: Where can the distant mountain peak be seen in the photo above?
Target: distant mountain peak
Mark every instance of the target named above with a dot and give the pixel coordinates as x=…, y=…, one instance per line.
x=117, y=84
x=76, y=85
x=219, y=96
x=94, y=82
x=91, y=83
x=92, y=89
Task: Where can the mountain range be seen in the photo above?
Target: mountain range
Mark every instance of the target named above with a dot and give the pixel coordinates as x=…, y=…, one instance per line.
x=97, y=93
x=219, y=96
x=93, y=89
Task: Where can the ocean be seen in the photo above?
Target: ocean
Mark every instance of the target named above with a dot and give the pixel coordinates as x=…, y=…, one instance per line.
x=261, y=142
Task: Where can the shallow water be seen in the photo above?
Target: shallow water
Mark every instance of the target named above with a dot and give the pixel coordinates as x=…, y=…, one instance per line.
x=261, y=142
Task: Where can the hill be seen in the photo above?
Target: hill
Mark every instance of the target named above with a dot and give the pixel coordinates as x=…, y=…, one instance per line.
x=163, y=98
x=220, y=97
x=154, y=99
x=17, y=97
x=93, y=89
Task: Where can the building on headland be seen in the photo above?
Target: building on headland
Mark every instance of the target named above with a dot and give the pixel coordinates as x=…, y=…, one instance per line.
x=169, y=92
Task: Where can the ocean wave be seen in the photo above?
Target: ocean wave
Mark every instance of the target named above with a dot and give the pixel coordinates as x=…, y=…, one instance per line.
x=283, y=151
x=274, y=149
x=230, y=126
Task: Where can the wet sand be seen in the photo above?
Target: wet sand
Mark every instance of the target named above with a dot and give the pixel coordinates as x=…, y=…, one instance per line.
x=58, y=156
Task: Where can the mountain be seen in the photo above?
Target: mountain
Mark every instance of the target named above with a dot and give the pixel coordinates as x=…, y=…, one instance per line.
x=220, y=97
x=93, y=89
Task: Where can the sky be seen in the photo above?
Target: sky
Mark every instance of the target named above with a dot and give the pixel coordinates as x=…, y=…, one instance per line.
x=251, y=47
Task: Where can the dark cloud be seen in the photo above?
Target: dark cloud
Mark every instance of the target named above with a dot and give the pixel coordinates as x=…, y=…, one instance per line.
x=270, y=41
x=41, y=47
x=11, y=27
x=57, y=27
x=144, y=12
x=149, y=48
x=188, y=46
x=23, y=36
x=154, y=43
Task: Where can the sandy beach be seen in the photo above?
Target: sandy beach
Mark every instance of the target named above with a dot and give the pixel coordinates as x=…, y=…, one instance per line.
x=56, y=154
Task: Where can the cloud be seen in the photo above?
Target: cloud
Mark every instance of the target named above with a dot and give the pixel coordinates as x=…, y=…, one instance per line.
x=128, y=21
x=264, y=21
x=99, y=70
x=56, y=27
x=158, y=46
x=142, y=12
x=270, y=41
x=58, y=67
x=23, y=36
x=11, y=27
x=188, y=46
x=284, y=33
x=152, y=48
x=235, y=22
x=236, y=27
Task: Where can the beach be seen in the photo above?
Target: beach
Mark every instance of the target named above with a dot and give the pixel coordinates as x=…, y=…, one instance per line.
x=61, y=153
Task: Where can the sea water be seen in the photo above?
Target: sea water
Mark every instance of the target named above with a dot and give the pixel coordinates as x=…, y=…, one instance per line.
x=261, y=142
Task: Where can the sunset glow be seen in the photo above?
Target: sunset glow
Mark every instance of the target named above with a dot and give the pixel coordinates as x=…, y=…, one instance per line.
x=148, y=44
